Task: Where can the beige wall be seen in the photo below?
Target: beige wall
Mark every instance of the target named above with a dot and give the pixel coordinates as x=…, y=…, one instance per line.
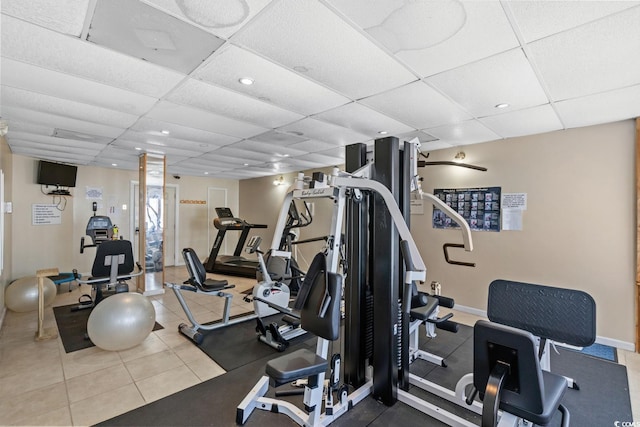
x=578, y=228
x=260, y=202
x=7, y=169
x=47, y=246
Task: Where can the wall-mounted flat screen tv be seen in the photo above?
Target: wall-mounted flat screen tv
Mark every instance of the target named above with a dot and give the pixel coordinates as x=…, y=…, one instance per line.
x=56, y=174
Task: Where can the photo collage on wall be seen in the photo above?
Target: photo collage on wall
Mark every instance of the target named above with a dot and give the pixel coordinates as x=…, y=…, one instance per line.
x=480, y=207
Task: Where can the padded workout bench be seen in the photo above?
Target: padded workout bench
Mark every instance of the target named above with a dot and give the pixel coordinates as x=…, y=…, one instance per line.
x=65, y=278
x=552, y=314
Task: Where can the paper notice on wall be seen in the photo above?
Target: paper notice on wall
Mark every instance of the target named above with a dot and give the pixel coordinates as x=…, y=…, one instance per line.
x=514, y=201
x=512, y=219
x=45, y=214
x=417, y=207
x=93, y=193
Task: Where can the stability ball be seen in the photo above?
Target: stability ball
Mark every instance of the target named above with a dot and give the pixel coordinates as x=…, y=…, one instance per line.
x=22, y=295
x=121, y=321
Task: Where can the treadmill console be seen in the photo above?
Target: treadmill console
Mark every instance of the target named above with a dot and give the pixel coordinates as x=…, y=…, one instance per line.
x=224, y=213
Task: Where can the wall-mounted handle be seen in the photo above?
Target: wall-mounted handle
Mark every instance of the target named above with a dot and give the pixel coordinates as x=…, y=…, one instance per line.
x=445, y=248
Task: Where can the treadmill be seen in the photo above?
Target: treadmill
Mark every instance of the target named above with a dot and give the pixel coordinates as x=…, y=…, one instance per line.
x=235, y=264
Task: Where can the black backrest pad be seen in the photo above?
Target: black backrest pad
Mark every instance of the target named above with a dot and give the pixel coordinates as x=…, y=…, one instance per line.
x=521, y=347
x=197, y=273
x=320, y=314
x=107, y=249
x=562, y=315
x=318, y=265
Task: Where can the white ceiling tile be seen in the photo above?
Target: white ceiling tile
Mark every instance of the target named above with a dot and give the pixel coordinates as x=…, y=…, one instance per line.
x=434, y=145
x=364, y=120
x=316, y=129
x=38, y=46
x=33, y=101
x=618, y=105
x=503, y=78
x=469, y=132
x=423, y=137
x=275, y=151
x=307, y=34
x=195, y=118
x=529, y=121
x=141, y=140
x=154, y=128
x=84, y=147
x=52, y=120
x=313, y=145
x=44, y=153
x=417, y=105
x=220, y=18
x=272, y=83
x=230, y=151
x=338, y=153
x=36, y=79
x=166, y=150
x=538, y=19
x=432, y=36
x=29, y=127
x=231, y=159
x=191, y=146
x=593, y=58
x=231, y=104
x=64, y=16
x=144, y=32
x=322, y=159
x=56, y=148
x=278, y=138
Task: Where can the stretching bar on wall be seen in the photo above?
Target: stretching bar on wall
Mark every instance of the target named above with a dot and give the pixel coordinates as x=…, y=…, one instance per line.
x=480, y=207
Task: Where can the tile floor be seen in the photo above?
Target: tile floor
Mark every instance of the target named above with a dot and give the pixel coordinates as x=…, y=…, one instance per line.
x=40, y=384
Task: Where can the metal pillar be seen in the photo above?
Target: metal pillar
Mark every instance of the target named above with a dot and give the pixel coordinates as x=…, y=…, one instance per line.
x=356, y=239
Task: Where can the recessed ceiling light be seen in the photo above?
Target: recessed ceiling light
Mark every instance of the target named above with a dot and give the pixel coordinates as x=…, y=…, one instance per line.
x=286, y=155
x=246, y=164
x=383, y=132
x=206, y=173
x=114, y=164
x=138, y=148
x=246, y=81
x=503, y=105
x=165, y=132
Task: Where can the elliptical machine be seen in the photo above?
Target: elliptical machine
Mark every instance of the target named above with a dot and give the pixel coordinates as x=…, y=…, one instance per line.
x=274, y=335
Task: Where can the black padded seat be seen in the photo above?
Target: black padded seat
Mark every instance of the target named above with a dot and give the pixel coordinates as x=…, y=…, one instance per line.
x=198, y=275
x=554, y=388
x=298, y=364
x=506, y=369
x=210, y=285
x=423, y=313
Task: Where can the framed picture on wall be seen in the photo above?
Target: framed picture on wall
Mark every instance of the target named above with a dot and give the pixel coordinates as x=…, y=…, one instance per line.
x=480, y=207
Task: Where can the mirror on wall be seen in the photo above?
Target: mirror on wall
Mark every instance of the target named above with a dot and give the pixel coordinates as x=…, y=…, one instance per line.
x=151, y=223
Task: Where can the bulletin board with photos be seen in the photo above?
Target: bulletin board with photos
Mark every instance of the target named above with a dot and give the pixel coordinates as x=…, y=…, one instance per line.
x=480, y=207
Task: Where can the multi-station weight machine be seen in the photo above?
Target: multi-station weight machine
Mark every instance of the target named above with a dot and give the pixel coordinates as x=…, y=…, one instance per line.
x=367, y=196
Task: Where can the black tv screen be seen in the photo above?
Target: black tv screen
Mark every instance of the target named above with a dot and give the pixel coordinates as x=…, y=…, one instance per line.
x=56, y=174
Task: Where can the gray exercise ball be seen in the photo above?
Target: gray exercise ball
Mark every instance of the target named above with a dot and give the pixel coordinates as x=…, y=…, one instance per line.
x=22, y=295
x=121, y=321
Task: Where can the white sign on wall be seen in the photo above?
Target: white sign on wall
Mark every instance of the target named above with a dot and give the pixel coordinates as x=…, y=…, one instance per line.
x=48, y=214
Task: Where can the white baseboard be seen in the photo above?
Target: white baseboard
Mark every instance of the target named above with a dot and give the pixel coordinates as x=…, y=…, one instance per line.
x=470, y=310
x=623, y=345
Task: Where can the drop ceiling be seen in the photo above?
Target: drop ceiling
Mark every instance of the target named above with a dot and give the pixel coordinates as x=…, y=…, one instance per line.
x=97, y=82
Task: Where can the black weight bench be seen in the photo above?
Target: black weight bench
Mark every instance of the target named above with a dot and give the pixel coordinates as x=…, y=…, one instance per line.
x=507, y=373
x=552, y=314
